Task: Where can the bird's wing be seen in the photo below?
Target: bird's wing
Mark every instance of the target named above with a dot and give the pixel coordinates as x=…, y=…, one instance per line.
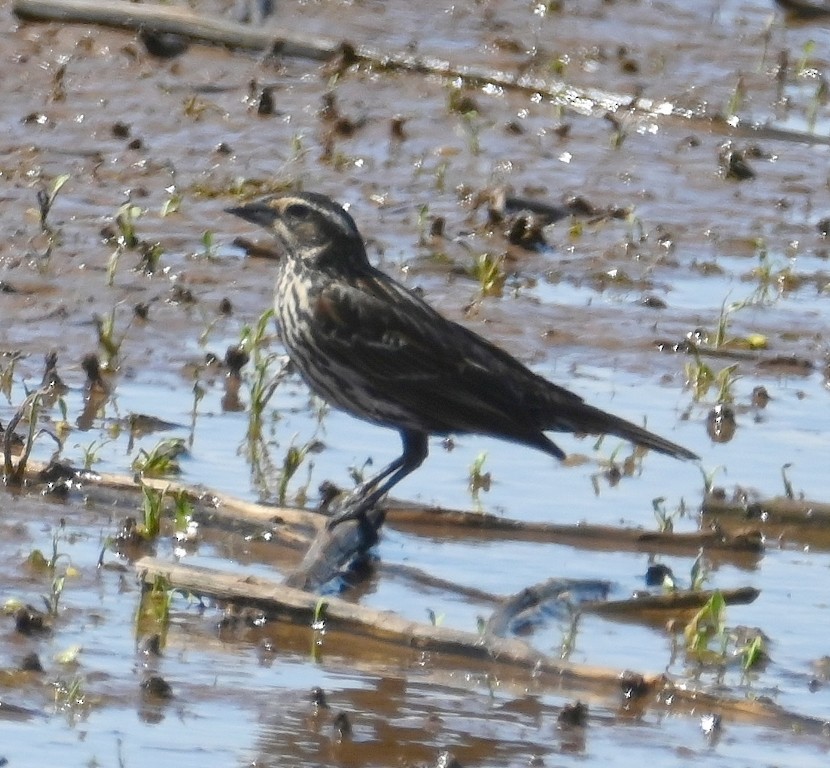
x=452, y=379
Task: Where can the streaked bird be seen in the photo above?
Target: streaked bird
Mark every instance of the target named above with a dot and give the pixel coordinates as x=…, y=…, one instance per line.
x=373, y=348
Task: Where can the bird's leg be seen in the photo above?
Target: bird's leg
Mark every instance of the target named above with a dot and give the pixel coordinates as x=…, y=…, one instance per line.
x=367, y=494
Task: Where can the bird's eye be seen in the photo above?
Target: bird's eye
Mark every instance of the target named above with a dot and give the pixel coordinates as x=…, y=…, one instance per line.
x=298, y=211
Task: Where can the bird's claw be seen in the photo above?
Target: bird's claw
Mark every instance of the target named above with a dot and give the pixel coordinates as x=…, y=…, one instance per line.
x=353, y=507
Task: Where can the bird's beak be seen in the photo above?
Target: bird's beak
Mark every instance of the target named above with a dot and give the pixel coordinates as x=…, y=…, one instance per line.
x=258, y=212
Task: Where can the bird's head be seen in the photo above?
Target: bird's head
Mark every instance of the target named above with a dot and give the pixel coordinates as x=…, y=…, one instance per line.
x=310, y=227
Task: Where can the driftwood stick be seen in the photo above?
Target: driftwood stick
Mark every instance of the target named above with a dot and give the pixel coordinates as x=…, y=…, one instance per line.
x=644, y=608
x=585, y=535
x=444, y=522
x=670, y=604
x=278, y=601
x=175, y=20
x=221, y=505
x=778, y=509
x=285, y=603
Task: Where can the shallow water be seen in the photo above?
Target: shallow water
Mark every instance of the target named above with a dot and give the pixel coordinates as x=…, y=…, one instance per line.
x=572, y=310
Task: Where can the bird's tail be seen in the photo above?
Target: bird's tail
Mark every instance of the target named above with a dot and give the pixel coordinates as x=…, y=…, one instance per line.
x=594, y=421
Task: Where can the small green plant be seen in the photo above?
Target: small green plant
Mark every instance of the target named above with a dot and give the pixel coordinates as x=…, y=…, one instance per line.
x=153, y=614
x=69, y=695
x=803, y=67
x=752, y=653
x=665, y=519
x=435, y=619
x=558, y=64
x=619, y=129
x=725, y=379
x=472, y=127
x=161, y=460
x=7, y=375
x=150, y=260
x=819, y=100
x=62, y=425
x=569, y=636
x=479, y=479
x=773, y=277
x=292, y=461
x=699, y=572
x=125, y=221
x=319, y=620
x=52, y=600
x=488, y=270
x=788, y=486
x=195, y=107
x=39, y=563
x=91, y=453
x=152, y=503
x=264, y=383
x=59, y=83
x=29, y=410
x=112, y=265
x=709, y=478
x=358, y=474
x=108, y=342
x=198, y=396
x=707, y=626
x=208, y=245
x=441, y=176
x=298, y=148
x=701, y=377
x=423, y=224
x=183, y=513
x=737, y=98
x=173, y=202
x=46, y=199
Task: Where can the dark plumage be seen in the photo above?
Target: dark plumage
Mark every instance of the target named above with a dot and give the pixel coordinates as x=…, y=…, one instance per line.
x=371, y=347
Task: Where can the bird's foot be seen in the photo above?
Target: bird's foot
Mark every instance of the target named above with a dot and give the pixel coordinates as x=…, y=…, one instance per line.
x=355, y=506
x=350, y=508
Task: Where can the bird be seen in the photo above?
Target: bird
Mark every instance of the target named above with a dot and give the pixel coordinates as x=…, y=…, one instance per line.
x=370, y=346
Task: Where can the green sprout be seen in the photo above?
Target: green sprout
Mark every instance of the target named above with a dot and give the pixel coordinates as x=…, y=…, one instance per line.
x=161, y=460
x=46, y=199
x=125, y=220
x=707, y=625
x=292, y=461
x=489, y=271
x=153, y=508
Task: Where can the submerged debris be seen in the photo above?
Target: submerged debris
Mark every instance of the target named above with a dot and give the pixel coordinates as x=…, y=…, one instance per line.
x=720, y=423
x=157, y=687
x=732, y=162
x=573, y=715
x=163, y=45
x=28, y=620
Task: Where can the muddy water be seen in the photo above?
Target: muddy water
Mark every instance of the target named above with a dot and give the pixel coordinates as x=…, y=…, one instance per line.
x=125, y=127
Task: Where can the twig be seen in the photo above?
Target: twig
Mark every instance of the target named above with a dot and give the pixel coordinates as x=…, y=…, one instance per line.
x=747, y=540
x=651, y=607
x=778, y=509
x=279, y=602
